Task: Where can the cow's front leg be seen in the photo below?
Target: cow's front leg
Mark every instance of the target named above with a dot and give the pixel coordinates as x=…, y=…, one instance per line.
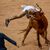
x=44, y=35
x=46, y=40
x=28, y=29
x=39, y=44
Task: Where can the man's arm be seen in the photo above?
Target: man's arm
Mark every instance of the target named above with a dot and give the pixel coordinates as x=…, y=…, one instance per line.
x=10, y=40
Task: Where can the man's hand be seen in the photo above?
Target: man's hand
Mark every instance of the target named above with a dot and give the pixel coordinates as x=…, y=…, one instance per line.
x=7, y=21
x=16, y=44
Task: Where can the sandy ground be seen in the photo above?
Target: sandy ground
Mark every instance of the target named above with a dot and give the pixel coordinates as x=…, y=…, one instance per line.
x=9, y=8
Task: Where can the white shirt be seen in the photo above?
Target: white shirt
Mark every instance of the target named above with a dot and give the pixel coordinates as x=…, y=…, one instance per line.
x=34, y=9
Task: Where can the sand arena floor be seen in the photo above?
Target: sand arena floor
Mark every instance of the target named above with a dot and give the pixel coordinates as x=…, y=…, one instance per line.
x=9, y=8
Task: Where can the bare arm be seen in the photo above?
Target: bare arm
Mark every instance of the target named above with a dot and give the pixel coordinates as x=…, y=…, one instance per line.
x=10, y=40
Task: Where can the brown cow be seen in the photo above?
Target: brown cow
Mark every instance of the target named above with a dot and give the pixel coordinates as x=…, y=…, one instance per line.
x=37, y=20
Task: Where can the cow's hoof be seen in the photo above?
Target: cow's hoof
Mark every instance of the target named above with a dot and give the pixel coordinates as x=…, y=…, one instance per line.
x=47, y=42
x=40, y=46
x=23, y=44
